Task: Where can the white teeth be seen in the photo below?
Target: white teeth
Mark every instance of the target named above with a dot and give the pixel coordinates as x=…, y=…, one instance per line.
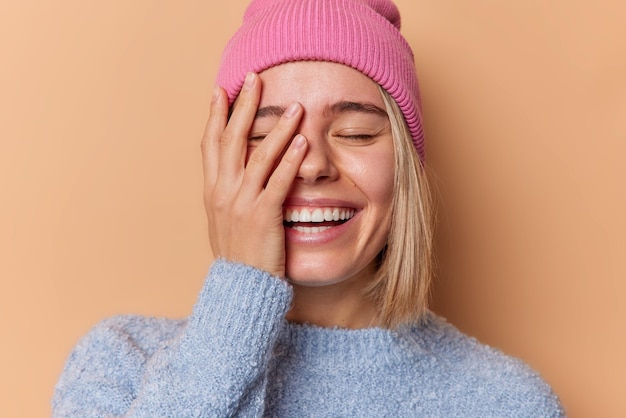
x=305, y=215
x=311, y=229
x=318, y=214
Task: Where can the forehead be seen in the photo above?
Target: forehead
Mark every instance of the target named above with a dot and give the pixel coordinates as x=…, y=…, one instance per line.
x=316, y=84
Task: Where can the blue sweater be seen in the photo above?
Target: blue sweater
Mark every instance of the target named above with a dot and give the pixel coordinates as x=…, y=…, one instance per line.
x=236, y=355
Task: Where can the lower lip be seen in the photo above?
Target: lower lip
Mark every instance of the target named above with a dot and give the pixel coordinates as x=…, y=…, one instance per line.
x=323, y=237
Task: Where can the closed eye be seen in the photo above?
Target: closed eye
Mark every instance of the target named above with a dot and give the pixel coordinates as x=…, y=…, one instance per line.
x=360, y=137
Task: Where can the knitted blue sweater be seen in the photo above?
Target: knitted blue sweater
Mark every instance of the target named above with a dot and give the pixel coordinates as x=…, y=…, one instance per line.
x=236, y=355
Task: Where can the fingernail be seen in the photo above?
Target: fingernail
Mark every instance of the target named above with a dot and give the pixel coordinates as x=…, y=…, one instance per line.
x=249, y=81
x=299, y=141
x=216, y=93
x=292, y=110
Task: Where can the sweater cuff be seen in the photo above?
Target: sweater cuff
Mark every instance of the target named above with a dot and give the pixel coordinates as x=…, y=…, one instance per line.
x=241, y=303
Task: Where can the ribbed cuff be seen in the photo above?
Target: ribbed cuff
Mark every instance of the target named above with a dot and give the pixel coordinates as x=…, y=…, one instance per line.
x=241, y=304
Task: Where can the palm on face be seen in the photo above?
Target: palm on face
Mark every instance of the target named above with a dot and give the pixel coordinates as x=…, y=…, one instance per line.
x=244, y=200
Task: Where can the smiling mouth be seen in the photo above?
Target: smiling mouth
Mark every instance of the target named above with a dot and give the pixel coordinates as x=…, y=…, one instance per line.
x=315, y=220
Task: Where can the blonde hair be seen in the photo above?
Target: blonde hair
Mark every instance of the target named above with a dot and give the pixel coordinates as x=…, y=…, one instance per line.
x=406, y=264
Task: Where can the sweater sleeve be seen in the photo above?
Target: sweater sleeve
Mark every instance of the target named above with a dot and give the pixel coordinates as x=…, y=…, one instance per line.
x=214, y=367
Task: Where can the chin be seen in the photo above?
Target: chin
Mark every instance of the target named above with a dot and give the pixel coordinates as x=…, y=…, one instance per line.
x=312, y=282
x=318, y=273
x=313, y=277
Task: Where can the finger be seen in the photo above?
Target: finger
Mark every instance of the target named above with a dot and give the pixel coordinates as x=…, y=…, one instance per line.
x=210, y=145
x=267, y=155
x=234, y=139
x=285, y=173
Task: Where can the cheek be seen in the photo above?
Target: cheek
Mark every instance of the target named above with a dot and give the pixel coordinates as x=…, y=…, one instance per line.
x=373, y=173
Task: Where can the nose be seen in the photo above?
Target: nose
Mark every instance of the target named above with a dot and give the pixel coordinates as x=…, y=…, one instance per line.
x=318, y=165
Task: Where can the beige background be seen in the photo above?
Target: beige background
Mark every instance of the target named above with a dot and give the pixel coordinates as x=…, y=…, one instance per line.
x=101, y=109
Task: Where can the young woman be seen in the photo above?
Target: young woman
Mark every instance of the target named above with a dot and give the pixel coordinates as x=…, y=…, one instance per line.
x=321, y=224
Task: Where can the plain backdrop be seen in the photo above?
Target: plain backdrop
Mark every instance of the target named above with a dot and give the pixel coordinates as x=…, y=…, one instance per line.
x=102, y=105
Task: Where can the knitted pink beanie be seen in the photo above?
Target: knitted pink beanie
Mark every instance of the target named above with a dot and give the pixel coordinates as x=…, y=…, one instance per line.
x=362, y=34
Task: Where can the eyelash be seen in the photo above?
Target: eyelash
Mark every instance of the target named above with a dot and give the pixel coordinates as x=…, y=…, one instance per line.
x=349, y=137
x=357, y=137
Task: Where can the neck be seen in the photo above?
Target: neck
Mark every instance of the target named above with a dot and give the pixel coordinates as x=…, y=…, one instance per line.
x=343, y=304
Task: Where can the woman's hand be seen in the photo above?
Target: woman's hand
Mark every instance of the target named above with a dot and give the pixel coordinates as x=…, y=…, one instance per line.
x=244, y=201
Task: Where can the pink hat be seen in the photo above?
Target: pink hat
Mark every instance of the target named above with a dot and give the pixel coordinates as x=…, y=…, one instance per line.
x=362, y=34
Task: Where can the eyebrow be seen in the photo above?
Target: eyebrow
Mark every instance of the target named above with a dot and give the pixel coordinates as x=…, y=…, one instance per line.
x=339, y=107
x=267, y=111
